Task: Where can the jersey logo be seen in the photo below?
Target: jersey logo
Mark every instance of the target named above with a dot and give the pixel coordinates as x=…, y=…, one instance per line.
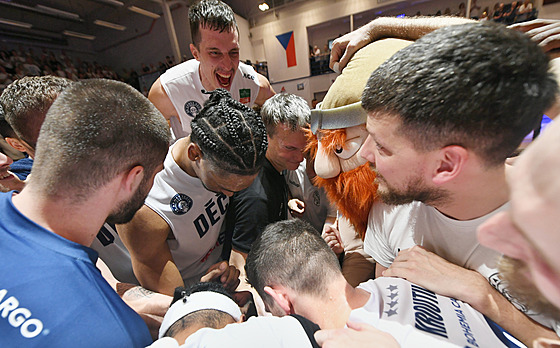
x=248, y=76
x=192, y=108
x=316, y=198
x=180, y=204
x=245, y=95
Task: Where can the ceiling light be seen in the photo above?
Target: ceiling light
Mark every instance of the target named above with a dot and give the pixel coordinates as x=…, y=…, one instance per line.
x=78, y=35
x=263, y=7
x=15, y=23
x=144, y=12
x=58, y=12
x=109, y=25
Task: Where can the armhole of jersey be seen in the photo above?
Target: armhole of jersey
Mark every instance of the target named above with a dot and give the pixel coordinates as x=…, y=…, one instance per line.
x=309, y=327
x=507, y=339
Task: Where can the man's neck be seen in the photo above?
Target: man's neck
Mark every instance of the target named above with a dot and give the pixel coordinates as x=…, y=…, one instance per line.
x=181, y=157
x=278, y=168
x=333, y=310
x=477, y=195
x=77, y=222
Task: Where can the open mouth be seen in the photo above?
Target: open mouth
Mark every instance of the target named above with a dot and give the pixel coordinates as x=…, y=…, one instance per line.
x=224, y=79
x=6, y=176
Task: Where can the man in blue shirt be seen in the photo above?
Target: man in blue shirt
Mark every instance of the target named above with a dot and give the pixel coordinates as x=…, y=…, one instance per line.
x=91, y=165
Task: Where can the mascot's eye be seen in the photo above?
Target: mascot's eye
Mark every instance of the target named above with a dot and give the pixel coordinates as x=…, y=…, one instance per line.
x=350, y=148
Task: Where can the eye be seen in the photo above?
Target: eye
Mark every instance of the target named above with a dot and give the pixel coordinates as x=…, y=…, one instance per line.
x=350, y=148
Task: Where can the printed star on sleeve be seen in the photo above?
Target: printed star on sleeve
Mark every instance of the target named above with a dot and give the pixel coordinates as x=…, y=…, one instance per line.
x=391, y=312
x=392, y=288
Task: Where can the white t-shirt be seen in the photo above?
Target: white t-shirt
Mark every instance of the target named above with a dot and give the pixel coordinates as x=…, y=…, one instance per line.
x=195, y=216
x=183, y=86
x=393, y=228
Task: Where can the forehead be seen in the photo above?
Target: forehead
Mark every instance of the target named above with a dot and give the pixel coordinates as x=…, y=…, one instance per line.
x=225, y=40
x=285, y=136
x=233, y=182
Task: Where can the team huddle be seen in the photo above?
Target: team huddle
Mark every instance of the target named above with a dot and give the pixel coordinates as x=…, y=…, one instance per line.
x=216, y=212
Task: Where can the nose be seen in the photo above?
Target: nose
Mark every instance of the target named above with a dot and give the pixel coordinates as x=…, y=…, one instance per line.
x=499, y=233
x=366, y=152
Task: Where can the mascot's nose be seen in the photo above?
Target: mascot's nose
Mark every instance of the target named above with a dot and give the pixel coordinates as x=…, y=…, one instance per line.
x=327, y=165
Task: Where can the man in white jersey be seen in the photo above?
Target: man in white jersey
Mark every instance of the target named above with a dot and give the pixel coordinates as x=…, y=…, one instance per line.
x=215, y=47
x=177, y=238
x=309, y=283
x=443, y=115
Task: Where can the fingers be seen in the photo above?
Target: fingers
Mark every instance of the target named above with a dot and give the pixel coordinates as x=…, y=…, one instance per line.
x=224, y=273
x=336, y=52
x=321, y=336
x=230, y=278
x=214, y=272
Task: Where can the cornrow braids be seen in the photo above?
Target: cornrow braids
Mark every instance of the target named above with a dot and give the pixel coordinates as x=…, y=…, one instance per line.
x=231, y=135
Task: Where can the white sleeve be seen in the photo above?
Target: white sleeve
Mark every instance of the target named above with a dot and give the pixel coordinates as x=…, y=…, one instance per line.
x=377, y=243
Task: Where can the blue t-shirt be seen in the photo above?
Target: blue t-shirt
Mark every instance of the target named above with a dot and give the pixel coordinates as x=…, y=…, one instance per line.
x=22, y=168
x=52, y=295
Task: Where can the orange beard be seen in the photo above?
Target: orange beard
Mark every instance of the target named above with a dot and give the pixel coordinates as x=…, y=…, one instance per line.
x=353, y=193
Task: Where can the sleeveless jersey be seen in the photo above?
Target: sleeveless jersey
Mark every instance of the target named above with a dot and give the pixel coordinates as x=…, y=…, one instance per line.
x=183, y=86
x=195, y=216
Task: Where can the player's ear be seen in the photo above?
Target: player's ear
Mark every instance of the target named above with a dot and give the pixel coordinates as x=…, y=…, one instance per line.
x=450, y=163
x=133, y=178
x=194, y=51
x=193, y=152
x=280, y=297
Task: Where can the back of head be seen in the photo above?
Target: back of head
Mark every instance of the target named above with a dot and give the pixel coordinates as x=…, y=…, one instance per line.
x=26, y=102
x=210, y=14
x=95, y=130
x=478, y=85
x=231, y=135
x=211, y=307
x=291, y=253
x=285, y=108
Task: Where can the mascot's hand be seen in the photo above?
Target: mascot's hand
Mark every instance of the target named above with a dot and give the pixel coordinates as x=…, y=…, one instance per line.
x=296, y=207
x=331, y=235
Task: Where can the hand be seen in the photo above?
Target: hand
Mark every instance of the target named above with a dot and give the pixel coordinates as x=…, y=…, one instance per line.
x=436, y=274
x=151, y=306
x=296, y=206
x=345, y=46
x=546, y=32
x=356, y=335
x=224, y=273
x=331, y=235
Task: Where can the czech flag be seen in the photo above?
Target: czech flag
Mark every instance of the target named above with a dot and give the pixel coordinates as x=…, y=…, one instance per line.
x=287, y=41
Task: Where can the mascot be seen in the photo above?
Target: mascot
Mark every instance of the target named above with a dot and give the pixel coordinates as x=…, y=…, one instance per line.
x=338, y=130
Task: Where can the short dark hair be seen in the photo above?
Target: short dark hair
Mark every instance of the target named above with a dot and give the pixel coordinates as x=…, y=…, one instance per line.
x=231, y=135
x=478, y=85
x=211, y=318
x=26, y=102
x=210, y=14
x=95, y=130
x=291, y=253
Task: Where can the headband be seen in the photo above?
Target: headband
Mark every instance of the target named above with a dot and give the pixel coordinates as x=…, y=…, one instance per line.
x=195, y=302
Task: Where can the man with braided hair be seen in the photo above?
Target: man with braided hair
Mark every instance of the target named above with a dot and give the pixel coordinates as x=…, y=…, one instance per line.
x=176, y=238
